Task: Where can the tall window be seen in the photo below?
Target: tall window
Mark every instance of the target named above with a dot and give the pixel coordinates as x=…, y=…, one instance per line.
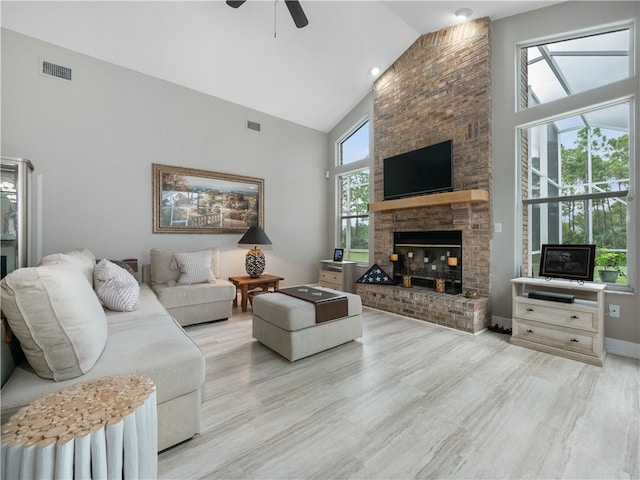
x=576, y=167
x=353, y=191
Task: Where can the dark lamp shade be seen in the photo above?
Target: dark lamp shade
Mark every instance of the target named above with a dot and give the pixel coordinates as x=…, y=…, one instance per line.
x=254, y=236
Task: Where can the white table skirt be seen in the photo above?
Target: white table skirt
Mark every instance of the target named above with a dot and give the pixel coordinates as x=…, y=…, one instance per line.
x=104, y=428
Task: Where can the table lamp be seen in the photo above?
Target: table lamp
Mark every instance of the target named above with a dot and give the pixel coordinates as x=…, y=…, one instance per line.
x=255, y=258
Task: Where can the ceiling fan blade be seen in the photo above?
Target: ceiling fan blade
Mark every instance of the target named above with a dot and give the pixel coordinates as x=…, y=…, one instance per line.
x=236, y=3
x=299, y=18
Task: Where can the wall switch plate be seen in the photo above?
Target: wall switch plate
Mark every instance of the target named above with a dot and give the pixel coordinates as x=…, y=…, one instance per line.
x=614, y=311
x=497, y=228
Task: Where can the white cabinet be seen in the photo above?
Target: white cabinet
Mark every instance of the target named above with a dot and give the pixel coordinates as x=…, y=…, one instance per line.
x=16, y=231
x=337, y=275
x=573, y=330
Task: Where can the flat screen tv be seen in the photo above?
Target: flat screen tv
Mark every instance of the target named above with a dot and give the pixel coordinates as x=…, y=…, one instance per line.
x=422, y=171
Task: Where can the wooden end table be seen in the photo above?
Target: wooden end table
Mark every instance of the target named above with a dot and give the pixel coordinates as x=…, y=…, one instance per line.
x=243, y=283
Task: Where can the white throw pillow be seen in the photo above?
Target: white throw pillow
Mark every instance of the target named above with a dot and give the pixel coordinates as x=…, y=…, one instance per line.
x=82, y=258
x=56, y=316
x=117, y=289
x=195, y=267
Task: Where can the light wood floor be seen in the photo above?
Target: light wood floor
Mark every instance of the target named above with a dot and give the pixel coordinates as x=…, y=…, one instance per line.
x=410, y=400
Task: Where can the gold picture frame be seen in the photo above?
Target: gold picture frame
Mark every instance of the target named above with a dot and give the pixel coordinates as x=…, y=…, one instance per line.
x=189, y=200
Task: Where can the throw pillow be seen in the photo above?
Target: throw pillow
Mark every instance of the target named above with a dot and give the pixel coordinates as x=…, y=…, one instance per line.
x=195, y=267
x=82, y=258
x=56, y=316
x=375, y=275
x=116, y=288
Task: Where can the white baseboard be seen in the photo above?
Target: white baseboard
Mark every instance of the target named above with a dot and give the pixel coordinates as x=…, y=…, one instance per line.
x=612, y=345
x=622, y=348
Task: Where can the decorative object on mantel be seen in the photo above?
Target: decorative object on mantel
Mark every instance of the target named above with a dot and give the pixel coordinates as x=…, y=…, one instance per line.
x=473, y=294
x=440, y=283
x=406, y=281
x=375, y=275
x=255, y=261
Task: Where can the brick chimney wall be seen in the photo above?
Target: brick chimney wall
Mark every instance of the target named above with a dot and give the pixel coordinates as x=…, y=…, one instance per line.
x=440, y=89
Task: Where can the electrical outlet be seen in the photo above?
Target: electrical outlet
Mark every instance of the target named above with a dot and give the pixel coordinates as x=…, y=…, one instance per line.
x=614, y=311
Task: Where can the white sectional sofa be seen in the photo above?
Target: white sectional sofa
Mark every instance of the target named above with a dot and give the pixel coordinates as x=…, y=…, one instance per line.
x=69, y=337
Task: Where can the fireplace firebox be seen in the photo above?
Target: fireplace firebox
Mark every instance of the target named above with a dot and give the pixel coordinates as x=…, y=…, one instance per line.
x=429, y=255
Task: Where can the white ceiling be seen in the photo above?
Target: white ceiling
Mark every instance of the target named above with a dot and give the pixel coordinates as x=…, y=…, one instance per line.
x=312, y=76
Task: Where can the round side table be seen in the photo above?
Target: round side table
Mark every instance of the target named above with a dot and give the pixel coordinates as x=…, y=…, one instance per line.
x=105, y=428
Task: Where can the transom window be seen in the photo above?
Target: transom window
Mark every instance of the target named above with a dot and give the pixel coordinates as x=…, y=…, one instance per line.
x=562, y=68
x=355, y=147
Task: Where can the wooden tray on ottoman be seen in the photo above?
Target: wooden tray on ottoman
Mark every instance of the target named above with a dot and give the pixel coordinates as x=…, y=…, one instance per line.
x=329, y=306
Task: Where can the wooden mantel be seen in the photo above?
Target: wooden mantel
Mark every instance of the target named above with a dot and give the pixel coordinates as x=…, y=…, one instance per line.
x=434, y=199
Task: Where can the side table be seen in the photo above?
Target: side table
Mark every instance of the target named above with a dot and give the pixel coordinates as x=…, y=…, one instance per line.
x=243, y=283
x=105, y=428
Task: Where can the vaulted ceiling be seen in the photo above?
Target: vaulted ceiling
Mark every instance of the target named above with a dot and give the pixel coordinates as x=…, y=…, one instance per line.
x=253, y=55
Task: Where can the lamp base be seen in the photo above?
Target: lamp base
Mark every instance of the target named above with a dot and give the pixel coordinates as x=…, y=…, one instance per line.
x=255, y=262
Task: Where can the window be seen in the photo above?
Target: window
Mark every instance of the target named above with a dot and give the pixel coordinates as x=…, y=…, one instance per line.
x=352, y=176
x=355, y=146
x=354, y=216
x=562, y=68
x=576, y=167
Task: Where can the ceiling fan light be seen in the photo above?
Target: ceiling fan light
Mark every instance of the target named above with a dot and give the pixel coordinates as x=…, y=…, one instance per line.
x=463, y=13
x=374, y=71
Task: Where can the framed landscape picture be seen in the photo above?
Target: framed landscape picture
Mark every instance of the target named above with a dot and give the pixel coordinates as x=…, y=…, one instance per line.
x=187, y=200
x=573, y=262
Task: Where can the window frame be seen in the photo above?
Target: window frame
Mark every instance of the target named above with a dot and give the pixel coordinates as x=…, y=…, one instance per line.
x=594, y=99
x=341, y=170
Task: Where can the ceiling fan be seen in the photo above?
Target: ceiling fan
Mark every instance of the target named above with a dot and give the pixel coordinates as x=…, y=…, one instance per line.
x=299, y=18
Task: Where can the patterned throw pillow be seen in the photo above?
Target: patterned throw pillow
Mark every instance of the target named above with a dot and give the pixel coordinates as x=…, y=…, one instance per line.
x=195, y=267
x=376, y=276
x=116, y=288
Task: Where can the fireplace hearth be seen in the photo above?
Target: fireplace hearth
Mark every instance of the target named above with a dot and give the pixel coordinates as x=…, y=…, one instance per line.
x=429, y=255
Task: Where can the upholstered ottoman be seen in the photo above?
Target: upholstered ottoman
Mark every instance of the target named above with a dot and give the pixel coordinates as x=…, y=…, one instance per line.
x=288, y=326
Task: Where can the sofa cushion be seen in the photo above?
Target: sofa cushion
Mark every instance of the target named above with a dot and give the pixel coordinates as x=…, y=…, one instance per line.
x=161, y=259
x=82, y=258
x=181, y=295
x=195, y=267
x=57, y=317
x=117, y=289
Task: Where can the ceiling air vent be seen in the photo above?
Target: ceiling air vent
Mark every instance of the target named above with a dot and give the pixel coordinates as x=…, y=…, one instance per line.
x=54, y=70
x=253, y=125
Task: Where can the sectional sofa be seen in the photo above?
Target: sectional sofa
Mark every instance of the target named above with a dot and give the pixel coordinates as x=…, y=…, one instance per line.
x=70, y=330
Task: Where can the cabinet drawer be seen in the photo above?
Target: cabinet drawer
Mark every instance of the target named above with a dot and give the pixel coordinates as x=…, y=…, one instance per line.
x=581, y=342
x=557, y=315
x=335, y=286
x=331, y=277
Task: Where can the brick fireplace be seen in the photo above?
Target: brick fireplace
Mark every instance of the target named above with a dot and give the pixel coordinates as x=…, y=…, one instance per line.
x=439, y=89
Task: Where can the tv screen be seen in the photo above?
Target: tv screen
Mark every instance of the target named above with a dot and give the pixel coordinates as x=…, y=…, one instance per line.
x=426, y=170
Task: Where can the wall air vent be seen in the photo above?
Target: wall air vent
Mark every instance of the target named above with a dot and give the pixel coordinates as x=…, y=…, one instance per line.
x=54, y=70
x=253, y=125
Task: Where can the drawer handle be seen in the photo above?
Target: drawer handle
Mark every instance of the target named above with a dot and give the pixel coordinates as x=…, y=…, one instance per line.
x=529, y=309
x=575, y=316
x=529, y=331
x=575, y=340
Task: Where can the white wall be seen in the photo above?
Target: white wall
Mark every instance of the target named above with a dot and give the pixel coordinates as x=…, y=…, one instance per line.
x=538, y=24
x=94, y=139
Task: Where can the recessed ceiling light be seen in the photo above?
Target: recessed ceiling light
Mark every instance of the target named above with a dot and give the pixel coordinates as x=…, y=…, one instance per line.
x=463, y=13
x=374, y=71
